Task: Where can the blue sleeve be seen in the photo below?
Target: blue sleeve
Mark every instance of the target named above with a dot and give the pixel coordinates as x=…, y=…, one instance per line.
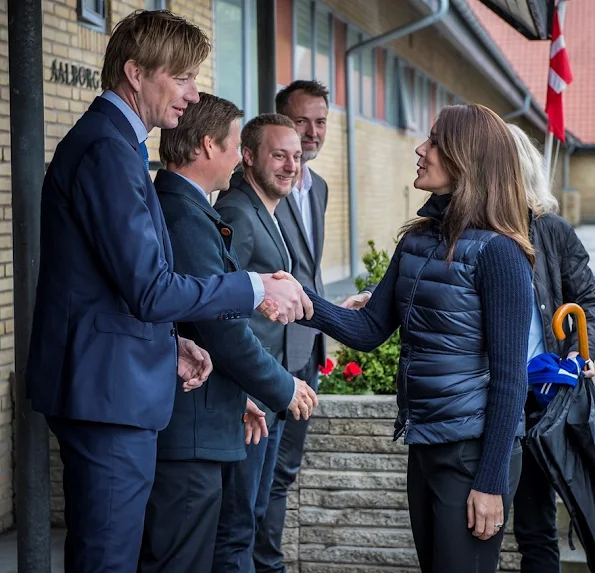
x=234, y=349
x=109, y=198
x=504, y=281
x=363, y=329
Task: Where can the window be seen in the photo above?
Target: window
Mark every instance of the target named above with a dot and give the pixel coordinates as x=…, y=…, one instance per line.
x=235, y=54
x=92, y=14
x=155, y=4
x=368, y=76
x=303, y=48
x=354, y=37
x=322, y=69
x=392, y=94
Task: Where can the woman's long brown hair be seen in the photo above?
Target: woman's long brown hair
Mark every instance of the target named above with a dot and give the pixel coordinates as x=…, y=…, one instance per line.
x=478, y=152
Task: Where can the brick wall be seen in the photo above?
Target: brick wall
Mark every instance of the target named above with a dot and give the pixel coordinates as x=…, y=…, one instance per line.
x=582, y=177
x=385, y=195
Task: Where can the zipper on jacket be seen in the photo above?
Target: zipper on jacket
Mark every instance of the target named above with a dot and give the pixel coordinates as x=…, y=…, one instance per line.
x=405, y=324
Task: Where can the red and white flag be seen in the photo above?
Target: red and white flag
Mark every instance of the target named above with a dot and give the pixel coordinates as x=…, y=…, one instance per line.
x=560, y=76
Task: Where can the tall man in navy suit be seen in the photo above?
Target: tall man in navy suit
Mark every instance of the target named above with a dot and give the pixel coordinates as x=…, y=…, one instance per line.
x=104, y=349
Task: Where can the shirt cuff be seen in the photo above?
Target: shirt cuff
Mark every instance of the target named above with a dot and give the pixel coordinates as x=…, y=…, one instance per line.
x=294, y=391
x=257, y=287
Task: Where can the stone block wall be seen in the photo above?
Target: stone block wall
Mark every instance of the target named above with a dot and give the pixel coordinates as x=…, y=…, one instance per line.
x=348, y=510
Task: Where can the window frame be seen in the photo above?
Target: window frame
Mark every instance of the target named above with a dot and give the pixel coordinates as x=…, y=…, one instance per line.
x=94, y=19
x=162, y=5
x=249, y=59
x=316, y=10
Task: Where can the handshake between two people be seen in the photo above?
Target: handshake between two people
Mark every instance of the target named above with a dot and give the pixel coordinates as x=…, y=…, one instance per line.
x=284, y=299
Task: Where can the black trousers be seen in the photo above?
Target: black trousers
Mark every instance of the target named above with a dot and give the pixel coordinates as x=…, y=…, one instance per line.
x=181, y=517
x=439, y=479
x=535, y=511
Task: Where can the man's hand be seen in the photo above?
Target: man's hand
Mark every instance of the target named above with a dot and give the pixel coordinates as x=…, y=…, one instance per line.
x=194, y=364
x=304, y=400
x=590, y=372
x=256, y=425
x=356, y=301
x=284, y=299
x=485, y=514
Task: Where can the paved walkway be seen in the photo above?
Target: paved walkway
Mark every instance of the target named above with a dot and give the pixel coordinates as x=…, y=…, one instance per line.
x=8, y=542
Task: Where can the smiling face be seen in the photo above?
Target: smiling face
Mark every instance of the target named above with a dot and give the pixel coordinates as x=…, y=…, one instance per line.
x=276, y=165
x=431, y=174
x=162, y=98
x=309, y=114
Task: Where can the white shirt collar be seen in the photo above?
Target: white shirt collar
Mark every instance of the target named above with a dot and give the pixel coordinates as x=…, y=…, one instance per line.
x=306, y=181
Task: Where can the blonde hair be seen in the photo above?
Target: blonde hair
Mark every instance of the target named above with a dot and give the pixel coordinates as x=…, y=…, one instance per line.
x=478, y=152
x=153, y=39
x=539, y=194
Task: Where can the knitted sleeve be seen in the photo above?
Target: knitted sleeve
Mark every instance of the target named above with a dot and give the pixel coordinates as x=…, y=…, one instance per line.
x=363, y=329
x=504, y=281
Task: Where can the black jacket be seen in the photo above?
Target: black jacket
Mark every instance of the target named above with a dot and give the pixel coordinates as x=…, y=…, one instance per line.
x=561, y=275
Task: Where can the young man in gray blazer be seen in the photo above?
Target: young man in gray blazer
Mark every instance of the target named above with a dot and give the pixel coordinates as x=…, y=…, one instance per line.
x=271, y=152
x=302, y=216
x=207, y=433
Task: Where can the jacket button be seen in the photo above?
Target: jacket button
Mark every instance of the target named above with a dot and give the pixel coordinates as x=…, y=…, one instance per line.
x=543, y=307
x=225, y=231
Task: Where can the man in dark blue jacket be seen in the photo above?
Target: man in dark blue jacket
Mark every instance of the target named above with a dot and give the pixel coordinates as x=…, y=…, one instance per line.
x=104, y=350
x=206, y=430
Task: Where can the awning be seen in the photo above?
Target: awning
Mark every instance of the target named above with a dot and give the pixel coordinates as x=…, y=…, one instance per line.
x=532, y=18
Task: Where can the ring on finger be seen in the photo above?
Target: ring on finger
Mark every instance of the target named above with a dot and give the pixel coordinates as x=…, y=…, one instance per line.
x=498, y=525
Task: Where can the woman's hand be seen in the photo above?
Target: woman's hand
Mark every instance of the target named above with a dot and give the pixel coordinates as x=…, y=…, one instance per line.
x=590, y=372
x=485, y=514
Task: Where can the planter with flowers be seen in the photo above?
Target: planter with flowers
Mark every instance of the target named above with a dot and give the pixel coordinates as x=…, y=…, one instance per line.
x=354, y=372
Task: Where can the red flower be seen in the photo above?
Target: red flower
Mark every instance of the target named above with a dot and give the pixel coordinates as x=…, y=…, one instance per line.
x=328, y=367
x=351, y=371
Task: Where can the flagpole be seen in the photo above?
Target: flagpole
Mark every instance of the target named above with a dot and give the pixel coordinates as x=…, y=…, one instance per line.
x=549, y=136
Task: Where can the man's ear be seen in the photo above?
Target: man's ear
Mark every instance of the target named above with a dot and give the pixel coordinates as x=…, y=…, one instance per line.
x=133, y=74
x=247, y=156
x=208, y=146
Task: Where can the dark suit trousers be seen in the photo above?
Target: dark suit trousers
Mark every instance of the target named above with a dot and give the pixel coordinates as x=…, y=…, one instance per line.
x=247, y=486
x=108, y=472
x=182, y=516
x=268, y=557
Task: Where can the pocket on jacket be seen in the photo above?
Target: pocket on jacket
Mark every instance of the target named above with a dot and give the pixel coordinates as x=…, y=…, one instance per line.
x=469, y=456
x=117, y=323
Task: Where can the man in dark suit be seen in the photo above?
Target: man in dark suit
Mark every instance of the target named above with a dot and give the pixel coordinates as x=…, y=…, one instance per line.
x=207, y=431
x=271, y=153
x=302, y=217
x=104, y=350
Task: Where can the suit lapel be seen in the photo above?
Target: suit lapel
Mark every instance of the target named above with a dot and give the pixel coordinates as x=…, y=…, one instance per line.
x=316, y=194
x=267, y=221
x=271, y=228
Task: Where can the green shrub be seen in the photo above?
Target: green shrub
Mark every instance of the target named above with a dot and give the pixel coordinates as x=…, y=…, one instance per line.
x=379, y=367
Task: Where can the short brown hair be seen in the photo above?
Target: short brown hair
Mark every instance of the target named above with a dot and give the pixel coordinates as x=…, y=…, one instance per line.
x=312, y=87
x=153, y=39
x=252, y=132
x=211, y=116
